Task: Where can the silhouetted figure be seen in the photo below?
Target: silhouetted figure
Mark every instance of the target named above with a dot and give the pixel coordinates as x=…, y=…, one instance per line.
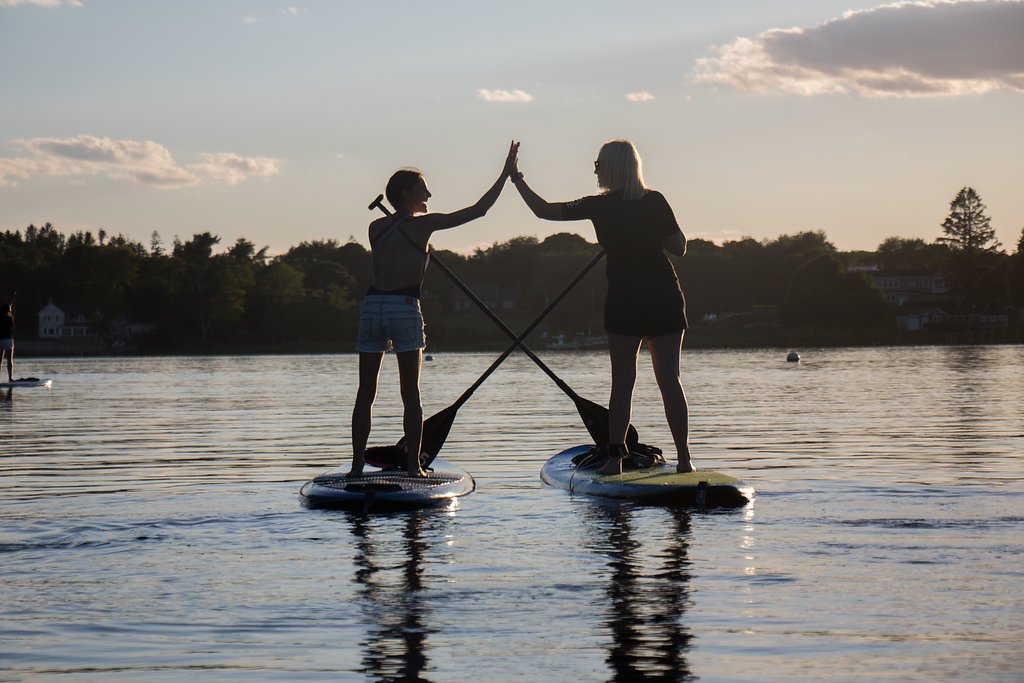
x=390, y=316
x=7, y=340
x=636, y=226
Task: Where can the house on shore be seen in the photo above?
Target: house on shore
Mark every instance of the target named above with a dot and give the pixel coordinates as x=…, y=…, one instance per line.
x=64, y=321
x=68, y=322
x=902, y=287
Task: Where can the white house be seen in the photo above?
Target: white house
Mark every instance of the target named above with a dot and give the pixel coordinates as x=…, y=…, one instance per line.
x=57, y=321
x=899, y=286
x=918, y=321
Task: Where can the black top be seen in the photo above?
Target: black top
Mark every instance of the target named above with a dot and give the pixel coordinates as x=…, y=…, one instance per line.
x=6, y=327
x=644, y=298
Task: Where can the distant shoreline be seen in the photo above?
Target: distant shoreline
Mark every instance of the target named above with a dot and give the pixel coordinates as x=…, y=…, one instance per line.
x=695, y=338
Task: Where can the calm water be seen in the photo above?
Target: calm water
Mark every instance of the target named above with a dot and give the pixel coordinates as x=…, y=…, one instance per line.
x=151, y=527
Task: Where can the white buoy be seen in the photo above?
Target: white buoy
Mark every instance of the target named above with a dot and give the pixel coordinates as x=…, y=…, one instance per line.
x=793, y=357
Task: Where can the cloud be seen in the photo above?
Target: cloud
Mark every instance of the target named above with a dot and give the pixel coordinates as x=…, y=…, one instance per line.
x=292, y=11
x=504, y=96
x=639, y=96
x=250, y=20
x=146, y=163
x=41, y=3
x=905, y=49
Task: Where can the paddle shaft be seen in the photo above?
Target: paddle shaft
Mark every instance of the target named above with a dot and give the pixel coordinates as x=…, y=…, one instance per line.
x=518, y=343
x=377, y=203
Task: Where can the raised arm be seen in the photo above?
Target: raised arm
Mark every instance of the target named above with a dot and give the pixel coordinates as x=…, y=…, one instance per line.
x=443, y=221
x=541, y=207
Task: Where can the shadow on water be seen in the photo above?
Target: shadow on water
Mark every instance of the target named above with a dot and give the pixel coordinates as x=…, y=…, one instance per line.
x=389, y=572
x=649, y=594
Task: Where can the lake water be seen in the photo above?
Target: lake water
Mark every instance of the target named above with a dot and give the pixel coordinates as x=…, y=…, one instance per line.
x=152, y=529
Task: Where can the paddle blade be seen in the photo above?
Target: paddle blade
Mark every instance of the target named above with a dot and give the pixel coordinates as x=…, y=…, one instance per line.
x=386, y=457
x=595, y=419
x=435, y=432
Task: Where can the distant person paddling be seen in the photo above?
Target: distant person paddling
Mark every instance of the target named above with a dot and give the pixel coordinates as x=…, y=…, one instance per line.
x=390, y=315
x=636, y=226
x=7, y=340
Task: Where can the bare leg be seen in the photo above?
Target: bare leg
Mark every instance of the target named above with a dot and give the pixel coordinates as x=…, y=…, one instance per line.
x=10, y=363
x=665, y=351
x=410, y=366
x=623, y=352
x=369, y=371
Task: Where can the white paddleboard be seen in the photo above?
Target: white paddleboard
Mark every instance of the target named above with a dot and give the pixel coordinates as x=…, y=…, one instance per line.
x=27, y=382
x=658, y=485
x=389, y=488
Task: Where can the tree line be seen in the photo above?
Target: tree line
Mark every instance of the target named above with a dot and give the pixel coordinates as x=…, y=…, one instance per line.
x=198, y=294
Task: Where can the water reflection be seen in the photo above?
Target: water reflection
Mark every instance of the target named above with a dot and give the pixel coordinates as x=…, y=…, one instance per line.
x=649, y=593
x=389, y=571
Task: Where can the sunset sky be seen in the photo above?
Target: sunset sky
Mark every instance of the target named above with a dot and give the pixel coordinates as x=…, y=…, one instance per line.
x=280, y=123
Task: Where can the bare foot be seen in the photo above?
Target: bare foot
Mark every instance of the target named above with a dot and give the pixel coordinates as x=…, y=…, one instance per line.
x=355, y=472
x=418, y=473
x=685, y=467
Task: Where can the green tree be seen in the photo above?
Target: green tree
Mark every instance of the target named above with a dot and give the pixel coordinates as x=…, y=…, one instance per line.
x=898, y=253
x=213, y=288
x=1015, y=274
x=968, y=230
x=823, y=294
x=973, y=265
x=99, y=277
x=244, y=251
x=276, y=291
x=196, y=279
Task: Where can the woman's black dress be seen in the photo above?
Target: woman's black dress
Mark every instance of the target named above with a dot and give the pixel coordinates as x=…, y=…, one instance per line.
x=644, y=297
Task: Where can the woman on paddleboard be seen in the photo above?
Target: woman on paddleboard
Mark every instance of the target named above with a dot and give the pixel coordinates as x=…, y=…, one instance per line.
x=636, y=226
x=7, y=340
x=390, y=315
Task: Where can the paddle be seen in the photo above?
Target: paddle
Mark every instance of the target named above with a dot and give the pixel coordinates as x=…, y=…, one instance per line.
x=594, y=416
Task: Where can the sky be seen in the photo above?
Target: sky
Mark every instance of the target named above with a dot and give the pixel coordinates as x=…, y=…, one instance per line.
x=280, y=123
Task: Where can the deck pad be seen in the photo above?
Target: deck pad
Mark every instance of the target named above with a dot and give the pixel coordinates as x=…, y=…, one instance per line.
x=388, y=488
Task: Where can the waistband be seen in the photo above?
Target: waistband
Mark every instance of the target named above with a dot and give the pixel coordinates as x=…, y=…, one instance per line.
x=391, y=299
x=411, y=290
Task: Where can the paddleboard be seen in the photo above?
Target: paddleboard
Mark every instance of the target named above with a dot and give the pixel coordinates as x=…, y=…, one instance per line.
x=27, y=382
x=389, y=488
x=657, y=485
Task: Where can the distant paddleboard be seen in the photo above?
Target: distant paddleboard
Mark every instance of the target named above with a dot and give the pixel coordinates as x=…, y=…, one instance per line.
x=27, y=382
x=389, y=488
x=657, y=485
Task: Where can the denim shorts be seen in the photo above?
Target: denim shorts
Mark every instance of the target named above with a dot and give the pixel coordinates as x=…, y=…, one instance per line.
x=7, y=344
x=390, y=322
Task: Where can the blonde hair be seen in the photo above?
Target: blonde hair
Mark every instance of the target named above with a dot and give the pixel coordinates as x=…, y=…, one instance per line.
x=620, y=168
